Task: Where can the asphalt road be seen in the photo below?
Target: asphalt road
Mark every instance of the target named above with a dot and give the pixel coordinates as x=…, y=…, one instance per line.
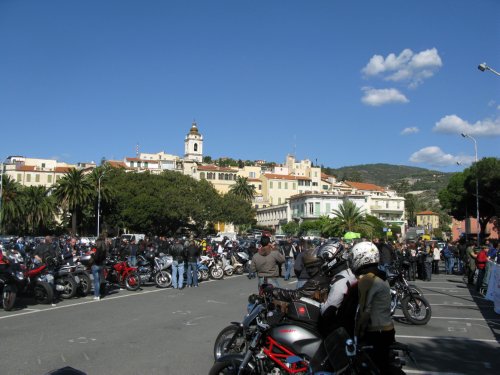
x=166, y=331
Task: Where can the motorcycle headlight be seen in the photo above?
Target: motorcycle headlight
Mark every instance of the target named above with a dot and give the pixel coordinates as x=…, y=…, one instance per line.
x=20, y=275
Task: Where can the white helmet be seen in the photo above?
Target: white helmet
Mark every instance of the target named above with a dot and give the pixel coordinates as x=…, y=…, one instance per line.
x=361, y=254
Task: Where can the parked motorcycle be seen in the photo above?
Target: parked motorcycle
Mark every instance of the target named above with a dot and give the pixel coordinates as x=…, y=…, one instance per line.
x=223, y=261
x=416, y=308
x=294, y=346
x=11, y=274
x=153, y=269
x=203, y=271
x=119, y=272
x=237, y=265
x=215, y=270
x=64, y=280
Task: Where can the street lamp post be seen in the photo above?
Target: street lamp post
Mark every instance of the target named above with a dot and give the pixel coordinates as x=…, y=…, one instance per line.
x=99, y=202
x=483, y=67
x=477, y=189
x=1, y=193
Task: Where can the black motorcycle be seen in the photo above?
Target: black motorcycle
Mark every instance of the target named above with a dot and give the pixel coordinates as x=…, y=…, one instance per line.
x=416, y=309
x=154, y=269
x=64, y=279
x=11, y=274
x=289, y=343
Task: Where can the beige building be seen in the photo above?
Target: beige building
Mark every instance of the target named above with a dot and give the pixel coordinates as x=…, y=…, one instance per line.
x=35, y=172
x=220, y=177
x=427, y=220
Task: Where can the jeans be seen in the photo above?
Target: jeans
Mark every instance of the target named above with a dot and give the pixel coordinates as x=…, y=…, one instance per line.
x=96, y=275
x=449, y=264
x=192, y=274
x=177, y=272
x=270, y=280
x=480, y=278
x=435, y=267
x=288, y=268
x=132, y=260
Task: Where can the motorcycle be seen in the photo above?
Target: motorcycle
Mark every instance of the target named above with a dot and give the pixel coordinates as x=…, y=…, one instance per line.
x=10, y=275
x=119, y=272
x=275, y=345
x=235, y=262
x=224, y=263
x=203, y=271
x=215, y=270
x=153, y=268
x=416, y=308
x=64, y=280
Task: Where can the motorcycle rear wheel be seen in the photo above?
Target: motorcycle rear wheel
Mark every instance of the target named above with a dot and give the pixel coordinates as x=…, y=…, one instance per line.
x=9, y=297
x=238, y=346
x=163, y=279
x=205, y=275
x=416, y=309
x=239, y=270
x=70, y=287
x=132, y=281
x=229, y=272
x=43, y=293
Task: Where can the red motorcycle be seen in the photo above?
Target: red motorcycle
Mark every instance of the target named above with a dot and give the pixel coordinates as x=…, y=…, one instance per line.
x=121, y=273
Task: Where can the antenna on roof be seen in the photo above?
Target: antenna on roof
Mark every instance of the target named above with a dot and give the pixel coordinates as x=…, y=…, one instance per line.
x=137, y=149
x=294, y=144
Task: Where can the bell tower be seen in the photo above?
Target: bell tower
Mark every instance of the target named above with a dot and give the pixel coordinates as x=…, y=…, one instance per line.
x=193, y=145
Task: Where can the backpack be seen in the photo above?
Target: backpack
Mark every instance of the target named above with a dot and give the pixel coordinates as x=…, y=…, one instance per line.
x=346, y=313
x=446, y=252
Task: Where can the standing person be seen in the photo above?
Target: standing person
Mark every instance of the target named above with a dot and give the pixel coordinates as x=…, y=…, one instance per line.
x=70, y=251
x=448, y=258
x=99, y=256
x=265, y=263
x=436, y=257
x=289, y=253
x=131, y=252
x=413, y=262
x=193, y=254
x=428, y=263
x=178, y=253
x=471, y=259
x=252, y=250
x=299, y=267
x=481, y=260
x=374, y=326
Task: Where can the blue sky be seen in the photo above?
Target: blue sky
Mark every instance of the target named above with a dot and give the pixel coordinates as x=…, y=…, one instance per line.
x=338, y=82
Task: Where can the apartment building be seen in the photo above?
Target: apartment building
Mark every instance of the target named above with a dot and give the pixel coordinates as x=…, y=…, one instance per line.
x=35, y=171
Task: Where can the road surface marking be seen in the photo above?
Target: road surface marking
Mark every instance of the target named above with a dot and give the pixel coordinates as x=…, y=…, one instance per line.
x=444, y=338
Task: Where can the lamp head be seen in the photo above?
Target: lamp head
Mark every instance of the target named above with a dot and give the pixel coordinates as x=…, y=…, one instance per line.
x=482, y=67
x=464, y=135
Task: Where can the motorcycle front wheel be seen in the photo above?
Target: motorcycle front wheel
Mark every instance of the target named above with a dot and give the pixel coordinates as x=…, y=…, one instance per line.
x=70, y=287
x=85, y=284
x=230, y=367
x=205, y=275
x=132, y=281
x=230, y=340
x=239, y=270
x=9, y=297
x=416, y=309
x=163, y=279
x=217, y=273
x=229, y=271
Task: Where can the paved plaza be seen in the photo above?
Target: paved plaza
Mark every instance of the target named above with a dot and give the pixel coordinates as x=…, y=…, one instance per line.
x=167, y=331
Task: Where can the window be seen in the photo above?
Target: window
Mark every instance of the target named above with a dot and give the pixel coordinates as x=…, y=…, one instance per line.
x=195, y=147
x=19, y=177
x=251, y=174
x=221, y=176
x=279, y=185
x=325, y=187
x=311, y=208
x=28, y=177
x=270, y=184
x=315, y=184
x=226, y=176
x=260, y=186
x=49, y=178
x=294, y=186
x=386, y=204
x=317, y=208
x=202, y=175
x=43, y=165
x=286, y=185
x=328, y=209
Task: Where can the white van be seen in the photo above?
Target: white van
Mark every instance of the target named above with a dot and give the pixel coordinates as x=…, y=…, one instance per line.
x=128, y=237
x=220, y=236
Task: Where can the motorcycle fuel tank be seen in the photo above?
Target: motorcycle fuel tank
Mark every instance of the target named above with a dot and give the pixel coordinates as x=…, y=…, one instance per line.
x=298, y=339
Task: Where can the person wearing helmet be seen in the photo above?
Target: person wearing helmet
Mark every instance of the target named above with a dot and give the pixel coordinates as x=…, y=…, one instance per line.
x=374, y=326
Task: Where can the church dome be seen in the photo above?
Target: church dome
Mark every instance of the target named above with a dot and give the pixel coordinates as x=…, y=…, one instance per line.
x=194, y=129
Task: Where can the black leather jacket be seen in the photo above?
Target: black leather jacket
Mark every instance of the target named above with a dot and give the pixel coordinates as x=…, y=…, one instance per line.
x=315, y=286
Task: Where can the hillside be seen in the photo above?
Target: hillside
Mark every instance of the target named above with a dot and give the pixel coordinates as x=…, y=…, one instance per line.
x=387, y=174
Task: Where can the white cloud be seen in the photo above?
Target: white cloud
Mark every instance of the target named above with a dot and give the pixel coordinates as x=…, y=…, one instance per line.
x=452, y=124
x=378, y=97
x=434, y=156
x=411, y=130
x=407, y=66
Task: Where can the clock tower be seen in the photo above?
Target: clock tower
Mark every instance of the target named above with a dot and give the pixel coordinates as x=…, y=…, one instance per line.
x=193, y=145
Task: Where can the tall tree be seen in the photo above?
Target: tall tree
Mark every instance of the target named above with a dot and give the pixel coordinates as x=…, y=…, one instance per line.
x=351, y=218
x=243, y=189
x=11, y=210
x=73, y=191
x=39, y=208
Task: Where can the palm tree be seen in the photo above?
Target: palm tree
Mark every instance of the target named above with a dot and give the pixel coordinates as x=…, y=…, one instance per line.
x=39, y=207
x=73, y=192
x=350, y=218
x=243, y=189
x=11, y=207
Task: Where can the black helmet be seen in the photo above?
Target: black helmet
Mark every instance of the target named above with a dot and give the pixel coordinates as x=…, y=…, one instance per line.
x=332, y=253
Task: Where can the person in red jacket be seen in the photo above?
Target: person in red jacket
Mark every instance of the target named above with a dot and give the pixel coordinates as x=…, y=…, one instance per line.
x=481, y=260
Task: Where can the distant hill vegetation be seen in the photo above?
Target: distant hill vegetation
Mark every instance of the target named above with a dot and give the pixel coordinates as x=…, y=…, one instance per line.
x=391, y=175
